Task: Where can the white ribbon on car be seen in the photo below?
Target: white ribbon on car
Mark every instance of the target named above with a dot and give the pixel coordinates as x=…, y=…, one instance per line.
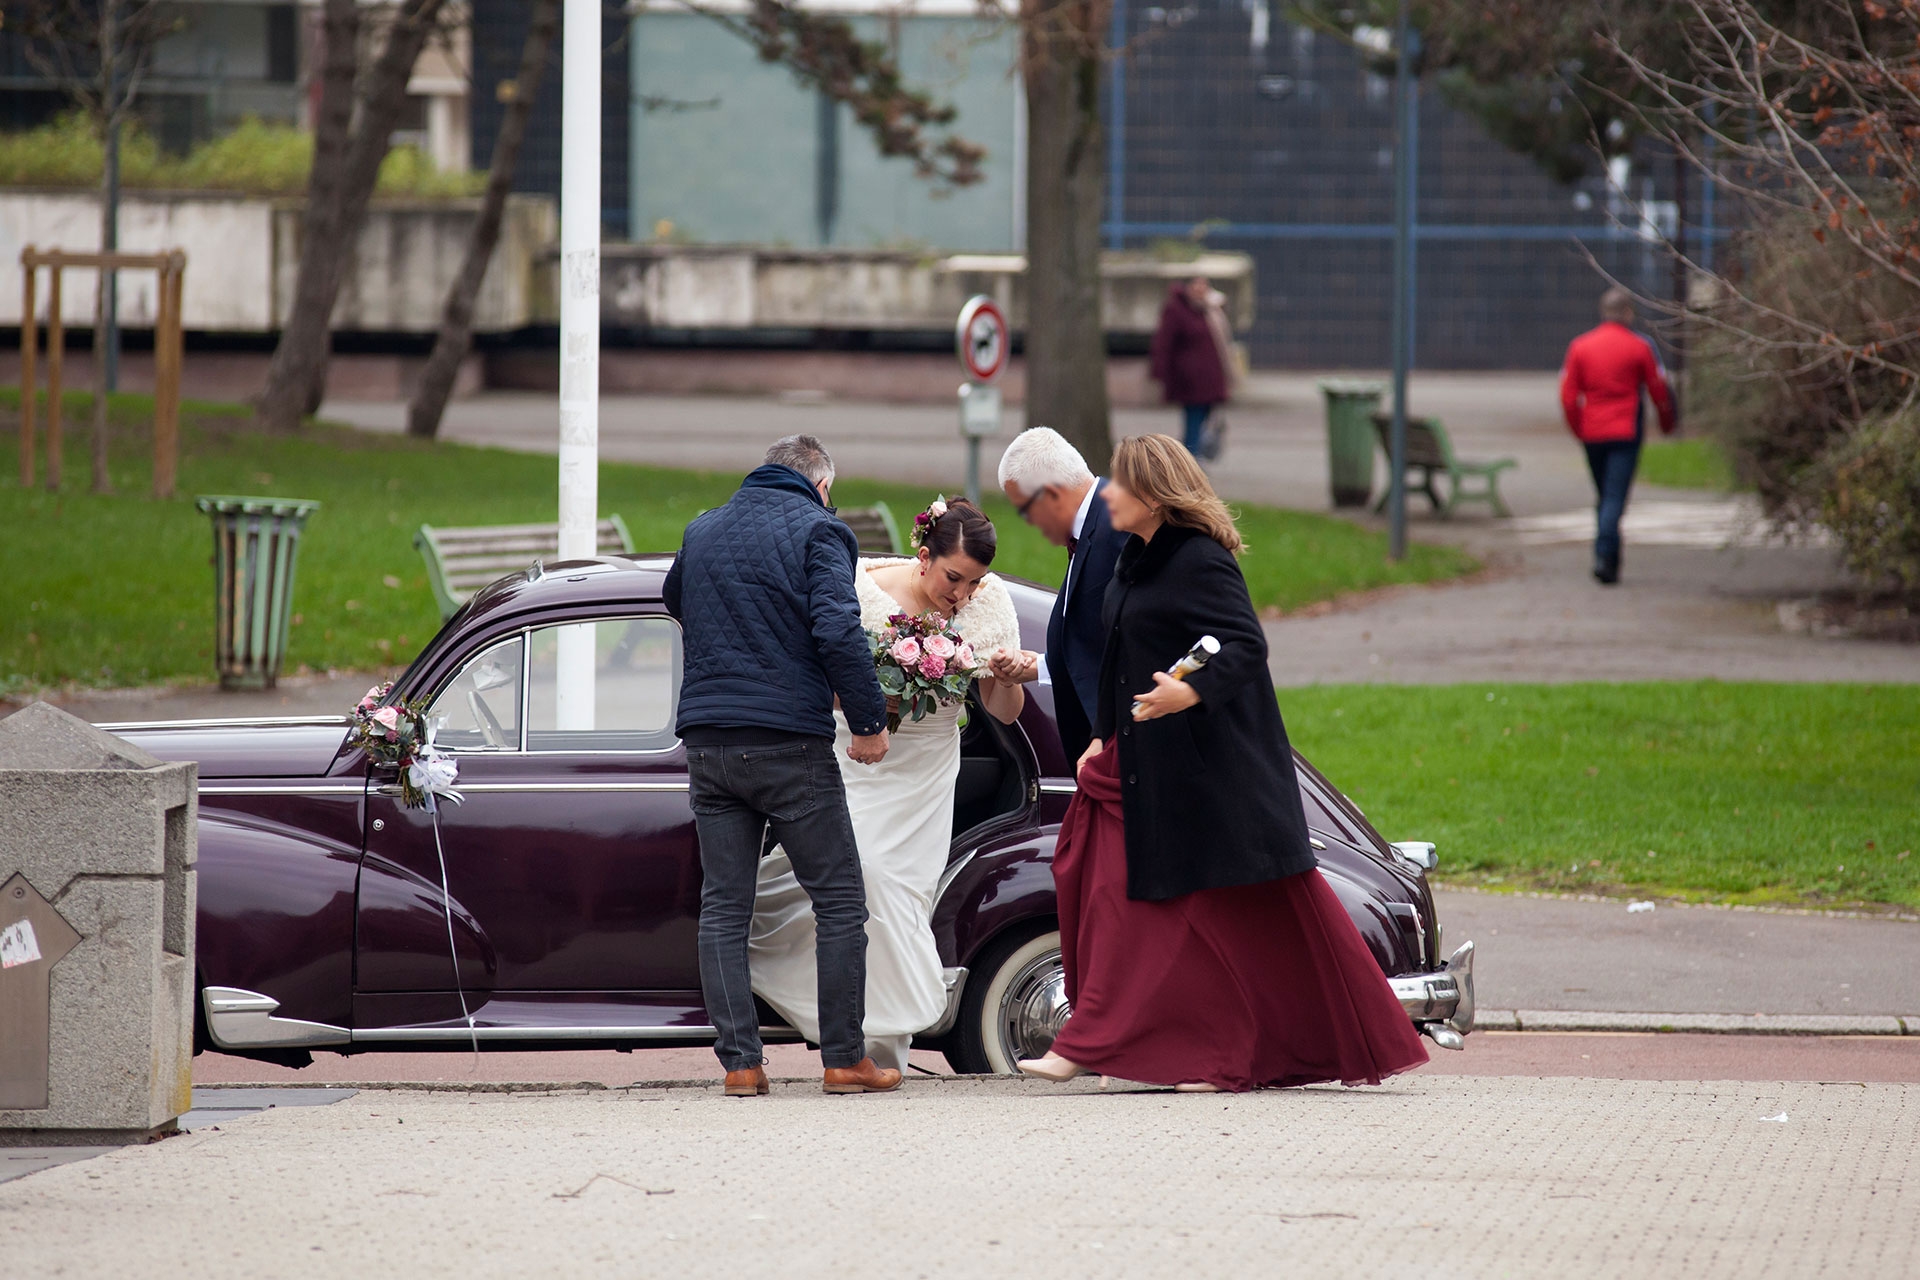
x=435, y=775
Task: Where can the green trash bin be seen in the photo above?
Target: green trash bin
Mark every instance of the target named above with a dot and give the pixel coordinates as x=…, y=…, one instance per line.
x=255, y=544
x=1350, y=405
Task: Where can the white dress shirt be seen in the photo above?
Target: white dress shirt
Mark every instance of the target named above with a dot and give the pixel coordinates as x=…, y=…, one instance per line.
x=1066, y=588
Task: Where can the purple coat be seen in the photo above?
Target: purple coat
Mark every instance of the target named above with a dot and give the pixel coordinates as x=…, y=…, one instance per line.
x=1185, y=359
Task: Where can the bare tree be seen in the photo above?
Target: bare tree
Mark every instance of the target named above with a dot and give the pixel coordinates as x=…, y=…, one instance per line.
x=98, y=51
x=352, y=135
x=455, y=339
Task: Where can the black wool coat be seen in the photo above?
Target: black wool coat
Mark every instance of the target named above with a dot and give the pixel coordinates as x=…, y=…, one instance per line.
x=1210, y=795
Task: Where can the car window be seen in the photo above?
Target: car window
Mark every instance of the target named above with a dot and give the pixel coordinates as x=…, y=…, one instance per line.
x=620, y=678
x=480, y=709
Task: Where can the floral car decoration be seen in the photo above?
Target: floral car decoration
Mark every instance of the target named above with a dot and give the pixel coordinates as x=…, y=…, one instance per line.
x=923, y=664
x=398, y=734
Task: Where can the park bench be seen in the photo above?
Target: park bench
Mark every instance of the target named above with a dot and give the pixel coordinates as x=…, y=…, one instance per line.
x=1429, y=449
x=461, y=561
x=874, y=528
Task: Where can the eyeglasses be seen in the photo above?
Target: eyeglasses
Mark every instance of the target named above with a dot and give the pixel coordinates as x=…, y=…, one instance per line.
x=1027, y=506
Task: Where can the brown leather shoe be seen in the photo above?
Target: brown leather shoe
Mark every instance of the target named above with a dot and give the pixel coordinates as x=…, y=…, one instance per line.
x=747, y=1083
x=863, y=1077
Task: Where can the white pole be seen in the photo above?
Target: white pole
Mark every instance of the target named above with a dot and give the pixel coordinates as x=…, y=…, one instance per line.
x=579, y=335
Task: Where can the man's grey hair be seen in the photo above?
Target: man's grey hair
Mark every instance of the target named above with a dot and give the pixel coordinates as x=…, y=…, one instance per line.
x=1040, y=457
x=1616, y=304
x=804, y=454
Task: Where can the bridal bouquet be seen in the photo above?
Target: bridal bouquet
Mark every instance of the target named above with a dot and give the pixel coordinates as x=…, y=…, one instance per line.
x=398, y=734
x=922, y=663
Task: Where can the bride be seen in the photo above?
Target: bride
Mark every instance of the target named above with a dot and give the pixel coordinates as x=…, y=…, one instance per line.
x=902, y=808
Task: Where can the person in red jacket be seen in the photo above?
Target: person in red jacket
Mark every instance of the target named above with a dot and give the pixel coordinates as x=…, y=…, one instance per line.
x=1600, y=392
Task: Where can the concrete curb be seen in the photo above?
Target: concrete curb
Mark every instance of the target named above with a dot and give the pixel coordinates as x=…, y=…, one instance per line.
x=1747, y=1024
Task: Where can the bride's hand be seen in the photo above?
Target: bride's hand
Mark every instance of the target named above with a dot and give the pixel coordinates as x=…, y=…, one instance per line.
x=1094, y=748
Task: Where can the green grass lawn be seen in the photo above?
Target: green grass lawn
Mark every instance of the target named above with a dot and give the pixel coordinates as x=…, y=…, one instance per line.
x=1691, y=463
x=116, y=590
x=1755, y=793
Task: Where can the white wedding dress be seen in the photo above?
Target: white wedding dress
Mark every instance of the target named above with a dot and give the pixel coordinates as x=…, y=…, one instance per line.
x=902, y=811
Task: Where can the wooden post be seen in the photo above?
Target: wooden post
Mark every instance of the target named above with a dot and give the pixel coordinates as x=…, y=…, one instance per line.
x=56, y=353
x=167, y=359
x=29, y=376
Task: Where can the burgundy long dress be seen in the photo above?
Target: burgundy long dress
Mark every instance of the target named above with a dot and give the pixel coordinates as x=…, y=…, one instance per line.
x=1262, y=985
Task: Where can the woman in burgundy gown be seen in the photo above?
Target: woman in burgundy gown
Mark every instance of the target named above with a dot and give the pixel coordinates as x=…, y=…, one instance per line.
x=1202, y=947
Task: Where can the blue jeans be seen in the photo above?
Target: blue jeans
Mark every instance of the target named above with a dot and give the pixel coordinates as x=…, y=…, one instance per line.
x=1612, y=465
x=794, y=788
x=1193, y=419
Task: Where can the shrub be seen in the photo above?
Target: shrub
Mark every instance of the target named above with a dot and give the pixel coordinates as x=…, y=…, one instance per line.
x=255, y=158
x=1816, y=430
x=1869, y=486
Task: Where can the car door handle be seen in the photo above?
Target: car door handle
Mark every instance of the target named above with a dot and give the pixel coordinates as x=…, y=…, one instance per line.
x=390, y=789
x=1317, y=843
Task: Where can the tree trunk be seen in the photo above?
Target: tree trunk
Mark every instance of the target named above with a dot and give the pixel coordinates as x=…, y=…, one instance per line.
x=346, y=164
x=1066, y=359
x=103, y=284
x=455, y=338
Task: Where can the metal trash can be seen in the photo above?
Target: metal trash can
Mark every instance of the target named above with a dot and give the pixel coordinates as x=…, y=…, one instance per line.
x=255, y=544
x=1350, y=404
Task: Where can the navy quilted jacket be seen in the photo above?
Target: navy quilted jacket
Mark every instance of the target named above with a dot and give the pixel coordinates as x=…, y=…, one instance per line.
x=764, y=589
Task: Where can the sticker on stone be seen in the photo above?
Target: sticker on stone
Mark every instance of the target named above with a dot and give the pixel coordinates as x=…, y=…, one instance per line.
x=18, y=945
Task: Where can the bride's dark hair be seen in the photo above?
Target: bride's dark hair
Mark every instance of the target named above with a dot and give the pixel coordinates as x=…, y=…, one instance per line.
x=963, y=530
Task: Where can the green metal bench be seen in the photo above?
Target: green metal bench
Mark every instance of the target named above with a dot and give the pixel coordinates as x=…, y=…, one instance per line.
x=1429, y=450
x=874, y=528
x=461, y=561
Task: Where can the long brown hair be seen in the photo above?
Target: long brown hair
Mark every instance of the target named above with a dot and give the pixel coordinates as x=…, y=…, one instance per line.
x=1160, y=472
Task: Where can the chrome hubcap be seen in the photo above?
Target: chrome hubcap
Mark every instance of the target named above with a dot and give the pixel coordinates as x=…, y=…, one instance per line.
x=1034, y=1008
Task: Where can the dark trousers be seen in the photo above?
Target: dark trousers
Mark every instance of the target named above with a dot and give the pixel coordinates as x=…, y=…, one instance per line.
x=794, y=787
x=1193, y=419
x=1612, y=465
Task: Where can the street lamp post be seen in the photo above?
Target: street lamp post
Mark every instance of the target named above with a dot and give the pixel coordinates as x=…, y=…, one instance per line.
x=579, y=337
x=1405, y=159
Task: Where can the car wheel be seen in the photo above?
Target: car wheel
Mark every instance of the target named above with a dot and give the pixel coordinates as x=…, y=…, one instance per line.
x=1015, y=1004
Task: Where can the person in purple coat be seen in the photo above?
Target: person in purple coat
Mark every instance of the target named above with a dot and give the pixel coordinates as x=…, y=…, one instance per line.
x=1188, y=358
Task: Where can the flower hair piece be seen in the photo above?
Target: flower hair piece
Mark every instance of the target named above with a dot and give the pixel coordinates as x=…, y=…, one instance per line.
x=924, y=522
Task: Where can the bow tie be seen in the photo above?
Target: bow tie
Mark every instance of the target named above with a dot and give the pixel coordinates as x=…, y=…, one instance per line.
x=1073, y=545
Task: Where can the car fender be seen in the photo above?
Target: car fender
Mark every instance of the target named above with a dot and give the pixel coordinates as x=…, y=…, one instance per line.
x=275, y=912
x=1001, y=883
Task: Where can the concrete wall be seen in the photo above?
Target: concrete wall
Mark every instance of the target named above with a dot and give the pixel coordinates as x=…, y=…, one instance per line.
x=745, y=288
x=243, y=252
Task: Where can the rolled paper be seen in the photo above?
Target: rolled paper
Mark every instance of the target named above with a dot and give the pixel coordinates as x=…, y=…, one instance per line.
x=1195, y=658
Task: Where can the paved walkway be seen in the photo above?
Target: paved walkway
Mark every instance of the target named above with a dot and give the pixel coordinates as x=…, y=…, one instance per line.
x=1432, y=1174
x=1699, y=598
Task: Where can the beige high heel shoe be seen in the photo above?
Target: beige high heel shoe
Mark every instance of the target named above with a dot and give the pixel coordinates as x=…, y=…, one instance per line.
x=1052, y=1067
x=1196, y=1086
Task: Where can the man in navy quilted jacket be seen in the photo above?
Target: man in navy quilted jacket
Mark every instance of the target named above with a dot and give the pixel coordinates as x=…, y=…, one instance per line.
x=763, y=588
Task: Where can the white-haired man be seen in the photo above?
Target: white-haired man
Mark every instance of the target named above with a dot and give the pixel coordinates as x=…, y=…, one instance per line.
x=1054, y=490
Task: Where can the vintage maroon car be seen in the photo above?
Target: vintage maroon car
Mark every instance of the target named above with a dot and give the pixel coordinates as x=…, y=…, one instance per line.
x=573, y=869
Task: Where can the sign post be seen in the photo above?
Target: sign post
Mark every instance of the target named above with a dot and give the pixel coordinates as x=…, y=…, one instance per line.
x=984, y=345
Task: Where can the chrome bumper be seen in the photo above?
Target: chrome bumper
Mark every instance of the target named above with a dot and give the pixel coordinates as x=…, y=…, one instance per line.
x=1441, y=1003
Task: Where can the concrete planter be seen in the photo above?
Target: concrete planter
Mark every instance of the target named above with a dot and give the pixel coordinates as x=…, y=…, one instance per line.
x=243, y=253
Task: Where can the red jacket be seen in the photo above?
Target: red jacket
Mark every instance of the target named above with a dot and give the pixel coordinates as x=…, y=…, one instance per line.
x=1600, y=384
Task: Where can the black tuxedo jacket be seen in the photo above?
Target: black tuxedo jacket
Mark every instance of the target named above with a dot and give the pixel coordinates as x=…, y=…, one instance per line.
x=1075, y=639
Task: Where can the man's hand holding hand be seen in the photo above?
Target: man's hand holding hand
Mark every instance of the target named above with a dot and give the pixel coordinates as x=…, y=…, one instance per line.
x=870, y=748
x=1014, y=666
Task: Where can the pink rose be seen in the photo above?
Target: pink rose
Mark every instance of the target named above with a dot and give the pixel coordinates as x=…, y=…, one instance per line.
x=967, y=660
x=933, y=666
x=905, y=651
x=387, y=716
x=940, y=646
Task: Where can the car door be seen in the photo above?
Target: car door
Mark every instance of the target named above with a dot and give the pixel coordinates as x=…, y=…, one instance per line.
x=572, y=869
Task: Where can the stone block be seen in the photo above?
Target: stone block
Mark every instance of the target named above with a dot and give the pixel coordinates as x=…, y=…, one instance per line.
x=99, y=841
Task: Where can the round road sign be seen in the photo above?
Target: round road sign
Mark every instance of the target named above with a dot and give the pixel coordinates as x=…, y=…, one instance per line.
x=982, y=338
